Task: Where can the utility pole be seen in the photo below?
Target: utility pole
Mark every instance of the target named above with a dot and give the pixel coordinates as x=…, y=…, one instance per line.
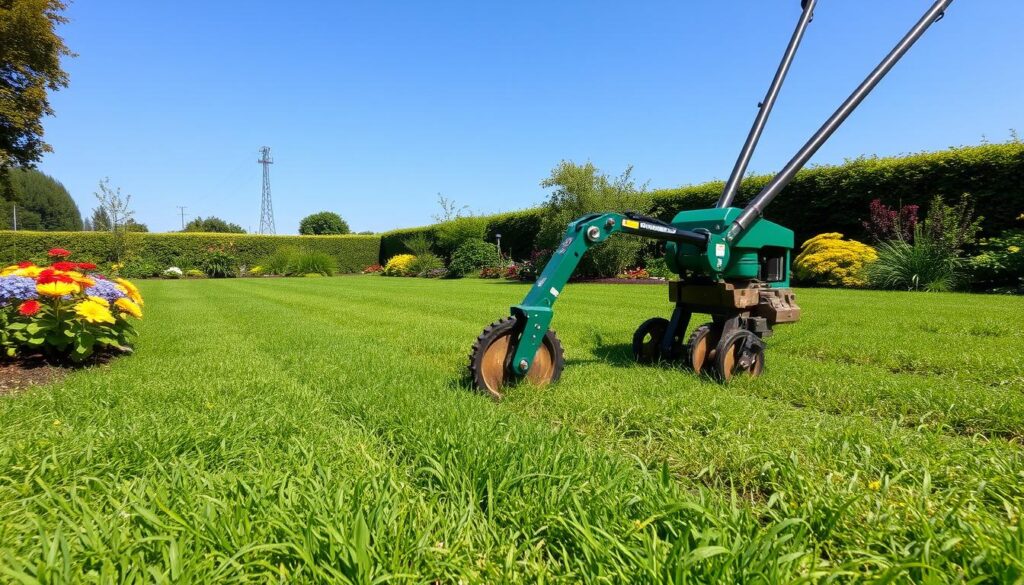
x=182, y=209
x=15, y=207
x=266, y=206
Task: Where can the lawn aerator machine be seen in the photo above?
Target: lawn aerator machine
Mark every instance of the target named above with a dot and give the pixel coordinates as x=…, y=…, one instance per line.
x=732, y=264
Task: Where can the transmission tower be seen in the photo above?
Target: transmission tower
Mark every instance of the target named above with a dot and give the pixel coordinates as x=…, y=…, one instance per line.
x=266, y=206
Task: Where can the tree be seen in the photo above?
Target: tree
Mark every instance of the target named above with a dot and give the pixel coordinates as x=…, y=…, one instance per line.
x=213, y=224
x=322, y=224
x=583, y=189
x=30, y=54
x=449, y=209
x=133, y=226
x=43, y=204
x=100, y=220
x=115, y=209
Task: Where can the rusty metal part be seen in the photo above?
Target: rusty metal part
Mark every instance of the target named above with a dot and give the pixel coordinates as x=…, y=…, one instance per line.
x=702, y=347
x=778, y=305
x=739, y=353
x=489, y=361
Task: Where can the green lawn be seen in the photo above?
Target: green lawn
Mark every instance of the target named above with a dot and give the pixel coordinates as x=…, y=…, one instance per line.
x=318, y=430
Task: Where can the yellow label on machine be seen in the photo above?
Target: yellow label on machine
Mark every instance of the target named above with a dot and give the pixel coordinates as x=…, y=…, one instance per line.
x=631, y=224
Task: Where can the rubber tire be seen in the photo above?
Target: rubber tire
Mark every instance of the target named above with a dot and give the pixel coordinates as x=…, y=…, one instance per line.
x=495, y=332
x=648, y=351
x=727, y=365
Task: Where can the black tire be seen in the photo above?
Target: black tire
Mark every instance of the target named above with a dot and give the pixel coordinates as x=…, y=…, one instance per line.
x=647, y=340
x=701, y=348
x=491, y=372
x=739, y=353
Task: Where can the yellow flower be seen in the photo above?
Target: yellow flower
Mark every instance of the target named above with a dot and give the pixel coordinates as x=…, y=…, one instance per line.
x=875, y=485
x=82, y=280
x=57, y=289
x=10, y=270
x=1013, y=249
x=131, y=290
x=56, y=422
x=30, y=271
x=94, y=312
x=99, y=300
x=129, y=307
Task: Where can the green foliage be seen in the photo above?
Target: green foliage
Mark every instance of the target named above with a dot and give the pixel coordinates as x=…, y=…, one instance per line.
x=220, y=263
x=999, y=266
x=213, y=225
x=30, y=67
x=582, y=189
x=324, y=223
x=657, y=267
x=319, y=263
x=451, y=234
x=952, y=227
x=426, y=264
x=140, y=268
x=827, y=259
x=352, y=253
x=282, y=262
x=471, y=256
x=820, y=199
x=921, y=265
x=43, y=202
x=418, y=244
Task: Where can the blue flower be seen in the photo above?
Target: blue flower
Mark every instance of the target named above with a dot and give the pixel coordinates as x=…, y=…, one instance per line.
x=16, y=289
x=106, y=290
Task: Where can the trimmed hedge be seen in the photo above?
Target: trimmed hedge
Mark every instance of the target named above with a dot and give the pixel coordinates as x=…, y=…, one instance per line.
x=827, y=198
x=353, y=253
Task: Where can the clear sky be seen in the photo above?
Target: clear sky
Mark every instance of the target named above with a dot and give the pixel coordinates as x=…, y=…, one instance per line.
x=372, y=108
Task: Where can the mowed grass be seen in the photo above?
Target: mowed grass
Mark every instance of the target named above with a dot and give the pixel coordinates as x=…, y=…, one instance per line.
x=318, y=430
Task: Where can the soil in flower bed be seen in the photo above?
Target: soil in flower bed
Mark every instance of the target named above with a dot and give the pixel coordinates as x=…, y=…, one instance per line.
x=30, y=371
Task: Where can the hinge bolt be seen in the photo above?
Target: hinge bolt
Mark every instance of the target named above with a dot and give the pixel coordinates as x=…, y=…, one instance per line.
x=523, y=365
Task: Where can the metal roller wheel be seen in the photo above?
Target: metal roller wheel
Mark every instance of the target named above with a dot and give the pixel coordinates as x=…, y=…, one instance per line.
x=702, y=347
x=490, y=360
x=739, y=353
x=647, y=340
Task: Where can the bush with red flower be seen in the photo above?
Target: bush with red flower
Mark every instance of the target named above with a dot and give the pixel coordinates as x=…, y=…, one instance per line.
x=65, y=310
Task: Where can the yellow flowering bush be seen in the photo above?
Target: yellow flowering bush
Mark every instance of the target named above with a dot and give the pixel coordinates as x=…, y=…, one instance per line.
x=400, y=265
x=828, y=259
x=65, y=310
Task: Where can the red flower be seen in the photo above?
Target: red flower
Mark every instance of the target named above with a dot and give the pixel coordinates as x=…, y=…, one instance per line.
x=25, y=264
x=29, y=308
x=64, y=266
x=48, y=275
x=59, y=252
x=86, y=266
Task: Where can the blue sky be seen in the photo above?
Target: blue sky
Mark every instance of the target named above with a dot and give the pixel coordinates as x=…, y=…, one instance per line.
x=372, y=108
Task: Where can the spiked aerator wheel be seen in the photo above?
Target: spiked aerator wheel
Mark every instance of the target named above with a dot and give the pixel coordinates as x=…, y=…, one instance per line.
x=490, y=360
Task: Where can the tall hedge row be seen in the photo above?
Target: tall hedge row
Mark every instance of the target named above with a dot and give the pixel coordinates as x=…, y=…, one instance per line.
x=827, y=198
x=353, y=253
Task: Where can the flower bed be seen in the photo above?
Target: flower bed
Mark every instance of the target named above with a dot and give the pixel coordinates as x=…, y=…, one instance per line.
x=65, y=310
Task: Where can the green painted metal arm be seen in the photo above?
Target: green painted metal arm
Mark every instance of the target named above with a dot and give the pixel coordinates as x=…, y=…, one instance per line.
x=535, y=312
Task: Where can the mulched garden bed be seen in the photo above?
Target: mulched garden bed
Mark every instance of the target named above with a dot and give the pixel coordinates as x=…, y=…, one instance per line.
x=21, y=373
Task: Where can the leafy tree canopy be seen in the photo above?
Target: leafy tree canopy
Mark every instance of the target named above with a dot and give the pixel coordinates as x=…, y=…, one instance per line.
x=323, y=224
x=43, y=204
x=30, y=54
x=213, y=224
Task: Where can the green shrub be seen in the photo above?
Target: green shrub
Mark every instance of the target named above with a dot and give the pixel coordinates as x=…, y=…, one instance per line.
x=315, y=262
x=829, y=260
x=400, y=265
x=452, y=234
x=658, y=268
x=134, y=268
x=918, y=265
x=999, y=267
x=582, y=189
x=471, y=256
x=220, y=264
x=282, y=262
x=194, y=273
x=187, y=250
x=426, y=262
